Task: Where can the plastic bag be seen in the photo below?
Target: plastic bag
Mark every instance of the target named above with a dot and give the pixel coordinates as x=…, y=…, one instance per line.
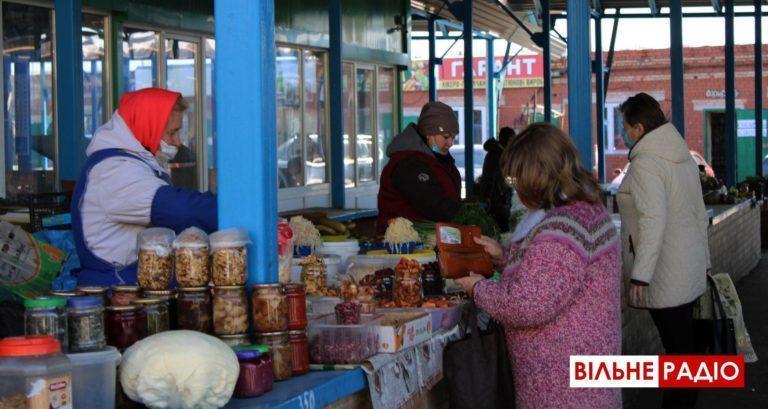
x=155, y=258
x=27, y=265
x=191, y=258
x=284, y=250
x=229, y=256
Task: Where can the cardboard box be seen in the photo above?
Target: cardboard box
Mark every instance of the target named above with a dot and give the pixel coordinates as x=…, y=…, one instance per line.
x=400, y=330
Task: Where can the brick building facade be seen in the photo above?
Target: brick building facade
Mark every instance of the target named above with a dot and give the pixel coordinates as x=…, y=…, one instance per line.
x=633, y=71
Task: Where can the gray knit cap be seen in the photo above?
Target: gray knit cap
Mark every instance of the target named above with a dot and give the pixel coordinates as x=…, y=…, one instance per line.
x=437, y=118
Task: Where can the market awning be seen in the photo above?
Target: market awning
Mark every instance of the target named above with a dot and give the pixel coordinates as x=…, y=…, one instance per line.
x=489, y=17
x=613, y=4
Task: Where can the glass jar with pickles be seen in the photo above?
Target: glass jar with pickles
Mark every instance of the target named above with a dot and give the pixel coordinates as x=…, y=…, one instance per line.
x=194, y=309
x=270, y=308
x=230, y=310
x=281, y=353
x=169, y=296
x=156, y=310
x=47, y=316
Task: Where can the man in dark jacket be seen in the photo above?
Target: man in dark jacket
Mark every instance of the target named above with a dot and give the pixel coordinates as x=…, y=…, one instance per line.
x=494, y=192
x=420, y=181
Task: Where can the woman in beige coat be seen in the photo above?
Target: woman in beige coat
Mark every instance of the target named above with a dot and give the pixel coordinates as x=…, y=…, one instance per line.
x=664, y=229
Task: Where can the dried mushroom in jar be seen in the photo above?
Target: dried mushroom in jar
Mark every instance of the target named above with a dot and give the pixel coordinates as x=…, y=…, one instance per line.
x=230, y=310
x=191, y=258
x=155, y=258
x=229, y=266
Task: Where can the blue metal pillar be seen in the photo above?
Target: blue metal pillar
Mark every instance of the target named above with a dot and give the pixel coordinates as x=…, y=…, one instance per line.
x=490, y=88
x=677, y=67
x=469, y=106
x=580, y=80
x=69, y=88
x=758, y=89
x=23, y=114
x=730, y=98
x=432, y=60
x=336, y=82
x=599, y=99
x=245, y=112
x=8, y=125
x=546, y=27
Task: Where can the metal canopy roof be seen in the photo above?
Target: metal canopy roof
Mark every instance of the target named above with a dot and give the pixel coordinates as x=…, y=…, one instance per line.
x=487, y=16
x=525, y=5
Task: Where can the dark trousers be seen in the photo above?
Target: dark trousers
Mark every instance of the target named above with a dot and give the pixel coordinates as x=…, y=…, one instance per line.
x=675, y=326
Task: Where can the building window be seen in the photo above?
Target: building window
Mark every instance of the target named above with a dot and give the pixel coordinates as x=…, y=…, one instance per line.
x=140, y=49
x=364, y=136
x=209, y=101
x=614, y=121
x=385, y=111
x=315, y=124
x=181, y=76
x=94, y=95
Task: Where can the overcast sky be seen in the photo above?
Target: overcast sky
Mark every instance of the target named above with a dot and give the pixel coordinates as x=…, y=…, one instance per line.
x=636, y=34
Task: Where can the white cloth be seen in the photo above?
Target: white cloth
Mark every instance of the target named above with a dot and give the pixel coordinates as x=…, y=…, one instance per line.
x=117, y=201
x=528, y=222
x=664, y=219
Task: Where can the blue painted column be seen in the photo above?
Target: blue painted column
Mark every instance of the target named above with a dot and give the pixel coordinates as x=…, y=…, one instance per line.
x=432, y=60
x=599, y=99
x=8, y=125
x=69, y=88
x=580, y=80
x=758, y=89
x=676, y=62
x=469, y=106
x=730, y=98
x=245, y=124
x=23, y=115
x=336, y=82
x=546, y=27
x=490, y=88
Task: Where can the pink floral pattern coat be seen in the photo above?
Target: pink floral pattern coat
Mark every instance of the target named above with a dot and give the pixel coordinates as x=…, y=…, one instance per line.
x=559, y=295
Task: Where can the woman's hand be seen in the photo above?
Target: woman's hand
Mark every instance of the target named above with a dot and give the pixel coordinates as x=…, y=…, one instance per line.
x=468, y=282
x=636, y=295
x=491, y=247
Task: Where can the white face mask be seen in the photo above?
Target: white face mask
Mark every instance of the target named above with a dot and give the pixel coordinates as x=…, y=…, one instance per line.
x=168, y=151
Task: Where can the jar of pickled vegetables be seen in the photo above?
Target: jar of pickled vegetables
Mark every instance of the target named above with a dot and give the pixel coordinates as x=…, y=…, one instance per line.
x=124, y=294
x=230, y=310
x=270, y=308
x=281, y=353
x=156, y=310
x=126, y=325
x=47, y=316
x=169, y=296
x=194, y=309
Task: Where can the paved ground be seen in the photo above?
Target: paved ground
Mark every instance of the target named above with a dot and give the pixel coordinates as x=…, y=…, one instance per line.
x=753, y=292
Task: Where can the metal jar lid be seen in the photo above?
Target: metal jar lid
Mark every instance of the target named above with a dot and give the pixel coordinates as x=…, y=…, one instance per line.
x=122, y=308
x=147, y=301
x=93, y=290
x=126, y=288
x=193, y=289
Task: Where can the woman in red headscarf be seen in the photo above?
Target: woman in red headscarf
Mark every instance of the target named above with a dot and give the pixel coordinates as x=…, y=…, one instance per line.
x=124, y=187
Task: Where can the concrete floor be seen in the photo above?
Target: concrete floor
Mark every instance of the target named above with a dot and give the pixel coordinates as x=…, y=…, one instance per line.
x=753, y=293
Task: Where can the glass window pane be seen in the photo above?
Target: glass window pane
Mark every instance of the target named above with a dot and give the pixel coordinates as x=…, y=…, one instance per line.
x=29, y=105
x=181, y=77
x=477, y=127
x=290, y=169
x=209, y=125
x=364, y=142
x=139, y=59
x=385, y=113
x=315, y=135
x=93, y=73
x=348, y=90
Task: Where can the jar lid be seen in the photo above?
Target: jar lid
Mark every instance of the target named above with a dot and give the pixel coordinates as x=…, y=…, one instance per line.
x=261, y=348
x=233, y=336
x=93, y=290
x=84, y=302
x=45, y=302
x=247, y=354
x=147, y=301
x=269, y=285
x=122, y=308
x=29, y=346
x=229, y=287
x=193, y=289
x=67, y=293
x=297, y=332
x=126, y=288
x=295, y=286
x=271, y=334
x=160, y=292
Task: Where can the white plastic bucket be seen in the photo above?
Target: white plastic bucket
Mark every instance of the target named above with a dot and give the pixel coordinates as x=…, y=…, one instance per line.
x=344, y=249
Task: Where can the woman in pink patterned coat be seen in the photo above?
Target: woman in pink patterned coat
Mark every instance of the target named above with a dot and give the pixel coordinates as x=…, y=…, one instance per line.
x=559, y=294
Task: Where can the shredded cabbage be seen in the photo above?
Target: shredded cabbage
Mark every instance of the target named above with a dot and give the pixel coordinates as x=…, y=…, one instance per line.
x=401, y=230
x=304, y=232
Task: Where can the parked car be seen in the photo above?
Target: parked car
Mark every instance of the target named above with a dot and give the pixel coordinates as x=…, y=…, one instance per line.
x=697, y=157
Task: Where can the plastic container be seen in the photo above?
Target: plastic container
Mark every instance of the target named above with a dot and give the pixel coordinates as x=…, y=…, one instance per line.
x=85, y=324
x=34, y=374
x=322, y=305
x=403, y=248
x=229, y=256
x=361, y=266
x=439, y=317
x=342, y=344
x=47, y=316
x=190, y=250
x=155, y=258
x=94, y=378
x=332, y=269
x=344, y=249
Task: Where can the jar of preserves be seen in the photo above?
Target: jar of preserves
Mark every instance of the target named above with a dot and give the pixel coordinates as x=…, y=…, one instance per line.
x=191, y=258
x=229, y=258
x=299, y=352
x=34, y=374
x=432, y=280
x=194, y=309
x=296, y=296
x=230, y=310
x=256, y=374
x=155, y=261
x=281, y=353
x=407, y=293
x=126, y=325
x=124, y=294
x=96, y=291
x=156, y=310
x=47, y=316
x=237, y=340
x=169, y=296
x=85, y=324
x=270, y=308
